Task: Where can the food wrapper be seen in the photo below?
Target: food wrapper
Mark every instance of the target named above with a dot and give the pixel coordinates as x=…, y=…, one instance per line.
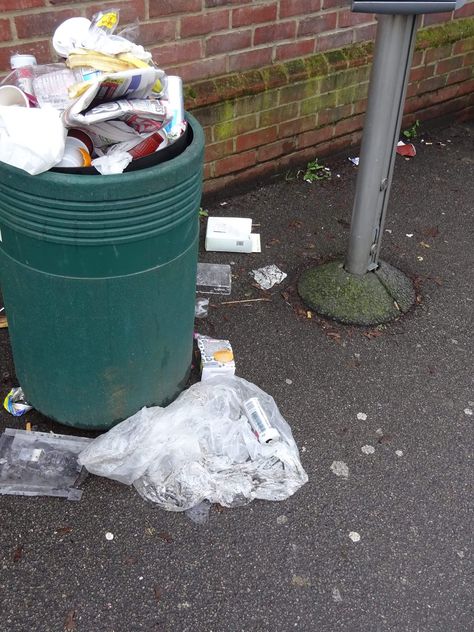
x=15, y=402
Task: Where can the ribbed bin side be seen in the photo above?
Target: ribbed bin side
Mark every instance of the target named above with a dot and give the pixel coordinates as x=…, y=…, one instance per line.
x=98, y=276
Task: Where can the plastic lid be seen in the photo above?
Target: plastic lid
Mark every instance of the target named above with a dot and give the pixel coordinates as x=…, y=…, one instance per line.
x=19, y=61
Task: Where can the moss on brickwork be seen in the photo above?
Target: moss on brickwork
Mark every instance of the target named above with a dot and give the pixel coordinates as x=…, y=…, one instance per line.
x=321, y=66
x=445, y=34
x=317, y=65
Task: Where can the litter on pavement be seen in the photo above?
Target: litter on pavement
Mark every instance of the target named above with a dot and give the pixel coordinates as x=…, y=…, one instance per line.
x=269, y=276
x=217, y=357
x=231, y=234
x=15, y=402
x=201, y=308
x=213, y=278
x=406, y=149
x=40, y=464
x=201, y=447
x=104, y=106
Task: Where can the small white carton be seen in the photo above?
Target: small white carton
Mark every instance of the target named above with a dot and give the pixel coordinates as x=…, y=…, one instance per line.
x=231, y=234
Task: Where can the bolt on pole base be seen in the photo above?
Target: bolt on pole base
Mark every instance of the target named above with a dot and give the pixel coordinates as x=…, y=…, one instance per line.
x=371, y=299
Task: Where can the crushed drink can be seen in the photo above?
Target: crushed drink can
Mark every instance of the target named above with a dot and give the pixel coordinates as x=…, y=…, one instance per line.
x=259, y=422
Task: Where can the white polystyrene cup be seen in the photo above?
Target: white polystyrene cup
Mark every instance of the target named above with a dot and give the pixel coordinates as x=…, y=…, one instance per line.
x=70, y=34
x=72, y=155
x=11, y=95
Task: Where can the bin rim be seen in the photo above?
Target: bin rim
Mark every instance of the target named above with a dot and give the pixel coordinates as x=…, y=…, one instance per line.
x=186, y=157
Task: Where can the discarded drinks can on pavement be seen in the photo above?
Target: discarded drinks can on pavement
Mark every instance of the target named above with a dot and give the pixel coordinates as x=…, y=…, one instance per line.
x=259, y=421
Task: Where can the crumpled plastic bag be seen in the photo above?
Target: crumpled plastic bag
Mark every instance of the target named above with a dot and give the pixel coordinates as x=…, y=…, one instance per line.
x=200, y=447
x=31, y=138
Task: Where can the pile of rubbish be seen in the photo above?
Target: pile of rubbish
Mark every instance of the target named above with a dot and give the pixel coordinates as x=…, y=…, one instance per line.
x=104, y=106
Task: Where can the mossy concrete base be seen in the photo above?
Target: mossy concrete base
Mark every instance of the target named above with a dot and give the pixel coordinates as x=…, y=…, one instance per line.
x=377, y=297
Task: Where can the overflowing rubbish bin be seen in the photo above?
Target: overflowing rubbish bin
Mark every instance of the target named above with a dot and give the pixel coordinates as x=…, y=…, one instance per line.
x=98, y=276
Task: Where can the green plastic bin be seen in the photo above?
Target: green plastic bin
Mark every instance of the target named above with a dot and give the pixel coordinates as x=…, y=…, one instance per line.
x=98, y=275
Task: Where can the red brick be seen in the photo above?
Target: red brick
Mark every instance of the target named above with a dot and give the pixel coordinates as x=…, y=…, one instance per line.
x=296, y=126
x=349, y=125
x=467, y=87
x=331, y=41
x=463, y=74
x=205, y=23
x=417, y=58
x=422, y=72
x=5, y=30
x=434, y=54
x=364, y=33
x=298, y=7
x=274, y=32
x=332, y=115
x=338, y=144
x=466, y=11
x=469, y=59
x=273, y=150
x=317, y=24
x=360, y=107
x=293, y=51
x=228, y=42
x=176, y=53
x=167, y=7
x=235, y=163
x=279, y=114
x=463, y=46
x=39, y=49
x=153, y=33
x=19, y=5
x=436, y=18
x=208, y=171
x=129, y=10
x=219, y=3
x=331, y=4
x=314, y=137
x=347, y=18
x=255, y=139
x=251, y=59
x=448, y=93
x=219, y=150
x=200, y=69
x=446, y=65
x=432, y=84
x=32, y=25
x=254, y=14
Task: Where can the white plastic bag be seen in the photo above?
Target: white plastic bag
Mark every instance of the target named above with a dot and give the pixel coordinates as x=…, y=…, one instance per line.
x=201, y=447
x=31, y=138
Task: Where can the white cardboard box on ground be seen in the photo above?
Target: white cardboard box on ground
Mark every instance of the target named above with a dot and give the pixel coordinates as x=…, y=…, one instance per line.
x=231, y=234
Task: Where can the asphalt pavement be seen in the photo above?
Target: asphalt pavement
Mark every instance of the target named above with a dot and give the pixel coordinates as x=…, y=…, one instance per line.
x=406, y=389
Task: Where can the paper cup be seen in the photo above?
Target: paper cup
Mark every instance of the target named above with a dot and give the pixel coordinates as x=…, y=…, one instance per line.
x=11, y=95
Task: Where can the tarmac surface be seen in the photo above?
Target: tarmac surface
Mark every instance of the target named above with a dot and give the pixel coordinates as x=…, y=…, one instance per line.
x=280, y=566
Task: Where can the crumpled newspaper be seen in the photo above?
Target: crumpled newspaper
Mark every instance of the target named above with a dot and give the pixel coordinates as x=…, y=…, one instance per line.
x=269, y=276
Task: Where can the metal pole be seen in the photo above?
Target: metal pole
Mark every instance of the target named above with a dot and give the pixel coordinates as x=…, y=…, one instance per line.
x=394, y=47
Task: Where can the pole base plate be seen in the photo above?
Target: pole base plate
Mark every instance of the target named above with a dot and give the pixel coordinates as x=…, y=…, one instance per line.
x=374, y=298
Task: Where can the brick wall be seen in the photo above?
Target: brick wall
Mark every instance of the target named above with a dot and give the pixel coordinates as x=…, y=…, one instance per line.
x=272, y=81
